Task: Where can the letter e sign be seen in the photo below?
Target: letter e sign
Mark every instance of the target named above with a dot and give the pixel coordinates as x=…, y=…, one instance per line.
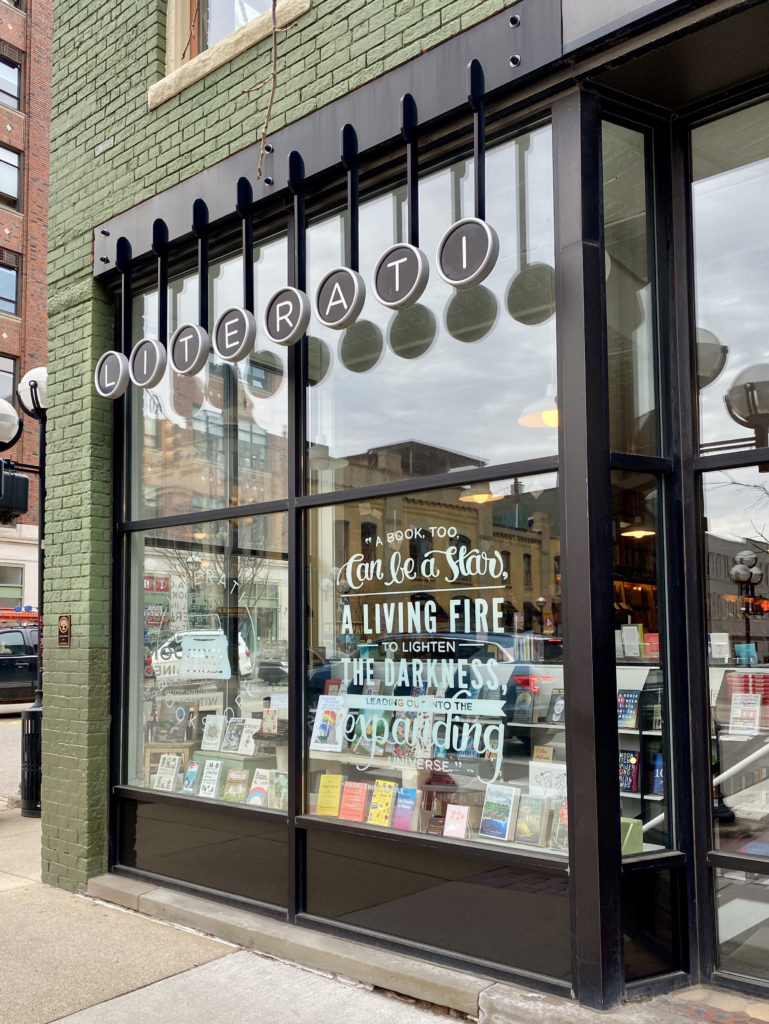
x=467, y=252
x=234, y=334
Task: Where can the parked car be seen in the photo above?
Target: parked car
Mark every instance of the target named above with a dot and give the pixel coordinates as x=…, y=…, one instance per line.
x=167, y=658
x=18, y=664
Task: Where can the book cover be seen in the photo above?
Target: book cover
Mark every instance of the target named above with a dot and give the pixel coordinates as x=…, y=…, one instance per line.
x=328, y=727
x=718, y=647
x=331, y=687
x=556, y=709
x=631, y=640
x=631, y=836
x=277, y=791
x=209, y=780
x=627, y=708
x=411, y=734
x=746, y=654
x=260, y=787
x=167, y=771
x=174, y=723
x=235, y=786
x=405, y=808
x=499, y=808
x=251, y=729
x=191, y=777
x=652, y=646
x=373, y=686
x=371, y=729
x=547, y=779
x=658, y=776
x=436, y=824
x=533, y=820
x=354, y=802
x=542, y=753
x=213, y=732
x=329, y=795
x=232, y=733
x=523, y=709
x=455, y=825
x=628, y=771
x=745, y=714
x=559, y=828
x=270, y=722
x=382, y=803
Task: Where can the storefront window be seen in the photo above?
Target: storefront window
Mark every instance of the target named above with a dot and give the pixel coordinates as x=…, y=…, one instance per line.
x=737, y=578
x=208, y=661
x=462, y=379
x=642, y=719
x=743, y=923
x=435, y=689
x=628, y=252
x=730, y=161
x=218, y=438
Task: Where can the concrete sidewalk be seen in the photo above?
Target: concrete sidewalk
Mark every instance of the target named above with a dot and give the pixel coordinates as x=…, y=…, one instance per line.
x=80, y=960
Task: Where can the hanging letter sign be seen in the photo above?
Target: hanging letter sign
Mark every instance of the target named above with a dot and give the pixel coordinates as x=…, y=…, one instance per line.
x=467, y=252
x=147, y=363
x=286, y=316
x=111, y=376
x=234, y=334
x=339, y=298
x=189, y=349
x=400, y=276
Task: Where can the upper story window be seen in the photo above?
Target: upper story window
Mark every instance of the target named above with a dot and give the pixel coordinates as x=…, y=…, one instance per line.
x=9, y=292
x=9, y=176
x=8, y=379
x=9, y=82
x=200, y=24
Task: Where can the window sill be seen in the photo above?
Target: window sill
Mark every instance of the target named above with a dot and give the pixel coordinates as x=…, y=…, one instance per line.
x=224, y=51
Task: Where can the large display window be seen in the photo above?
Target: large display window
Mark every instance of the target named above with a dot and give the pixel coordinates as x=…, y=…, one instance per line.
x=208, y=668
x=436, y=693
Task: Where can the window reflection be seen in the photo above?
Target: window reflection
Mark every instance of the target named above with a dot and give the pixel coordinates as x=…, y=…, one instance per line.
x=407, y=393
x=208, y=661
x=737, y=575
x=435, y=689
x=217, y=438
x=730, y=160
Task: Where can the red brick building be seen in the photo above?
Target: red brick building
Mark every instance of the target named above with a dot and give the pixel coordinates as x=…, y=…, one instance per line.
x=25, y=109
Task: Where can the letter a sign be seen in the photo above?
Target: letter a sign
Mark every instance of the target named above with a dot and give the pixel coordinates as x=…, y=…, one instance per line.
x=339, y=298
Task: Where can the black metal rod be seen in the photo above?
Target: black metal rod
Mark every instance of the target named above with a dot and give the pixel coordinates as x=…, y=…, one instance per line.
x=297, y=359
x=200, y=229
x=410, y=133
x=476, y=88
x=245, y=200
x=123, y=262
x=350, y=164
x=160, y=248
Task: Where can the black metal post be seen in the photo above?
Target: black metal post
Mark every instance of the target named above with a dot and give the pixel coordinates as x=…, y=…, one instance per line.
x=32, y=717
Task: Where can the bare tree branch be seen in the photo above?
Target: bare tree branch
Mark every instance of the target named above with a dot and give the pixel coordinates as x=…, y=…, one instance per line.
x=274, y=77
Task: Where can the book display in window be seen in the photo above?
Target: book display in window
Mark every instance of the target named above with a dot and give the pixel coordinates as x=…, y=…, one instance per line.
x=329, y=795
x=382, y=805
x=232, y=733
x=277, y=792
x=456, y=821
x=235, y=786
x=628, y=770
x=406, y=809
x=213, y=732
x=354, y=803
x=248, y=737
x=523, y=710
x=191, y=777
x=499, y=810
x=168, y=772
x=259, y=789
x=556, y=711
x=328, y=727
x=559, y=827
x=209, y=780
x=532, y=822
x=627, y=708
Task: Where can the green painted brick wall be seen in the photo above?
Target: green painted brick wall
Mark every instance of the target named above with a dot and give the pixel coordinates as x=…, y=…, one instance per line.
x=105, y=58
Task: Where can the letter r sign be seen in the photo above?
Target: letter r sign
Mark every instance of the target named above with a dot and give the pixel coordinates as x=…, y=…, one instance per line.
x=286, y=316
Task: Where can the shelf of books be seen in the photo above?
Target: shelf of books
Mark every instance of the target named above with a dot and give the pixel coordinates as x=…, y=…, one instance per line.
x=455, y=775
x=233, y=760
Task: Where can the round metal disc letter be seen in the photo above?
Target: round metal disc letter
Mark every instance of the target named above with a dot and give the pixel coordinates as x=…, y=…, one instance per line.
x=467, y=252
x=189, y=349
x=111, y=376
x=400, y=276
x=286, y=316
x=339, y=298
x=234, y=334
x=147, y=363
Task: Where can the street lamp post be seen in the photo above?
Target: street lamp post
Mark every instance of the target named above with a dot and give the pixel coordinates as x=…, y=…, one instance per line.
x=32, y=394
